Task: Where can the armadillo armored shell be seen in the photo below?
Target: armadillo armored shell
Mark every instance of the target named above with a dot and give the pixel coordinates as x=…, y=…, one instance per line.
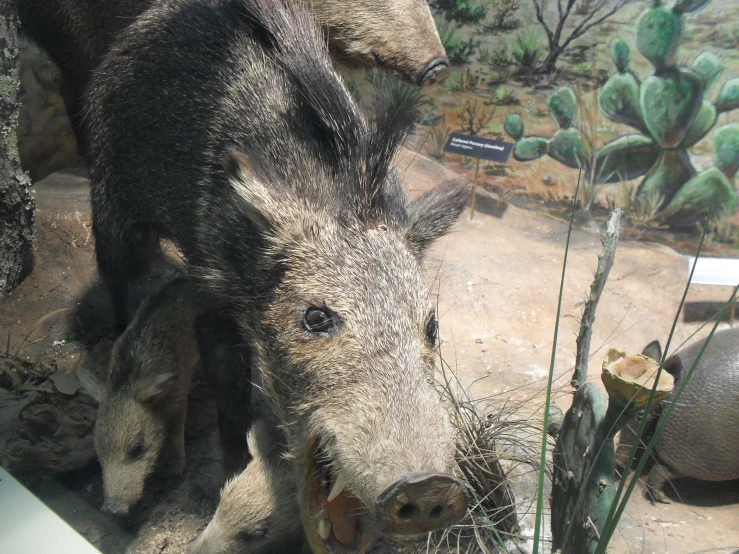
x=631, y=378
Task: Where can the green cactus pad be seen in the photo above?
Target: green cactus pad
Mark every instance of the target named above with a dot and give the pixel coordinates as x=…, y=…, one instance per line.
x=563, y=107
x=658, y=33
x=693, y=200
x=568, y=148
x=726, y=149
x=709, y=66
x=728, y=98
x=620, y=53
x=669, y=103
x=581, y=478
x=625, y=158
x=669, y=173
x=530, y=149
x=688, y=6
x=619, y=100
x=703, y=122
x=513, y=125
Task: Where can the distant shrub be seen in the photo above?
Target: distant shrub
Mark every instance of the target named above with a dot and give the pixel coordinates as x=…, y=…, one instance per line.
x=462, y=11
x=458, y=51
x=507, y=96
x=528, y=49
x=503, y=17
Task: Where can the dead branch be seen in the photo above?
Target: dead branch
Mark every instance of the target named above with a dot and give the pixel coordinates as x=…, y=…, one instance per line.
x=605, y=263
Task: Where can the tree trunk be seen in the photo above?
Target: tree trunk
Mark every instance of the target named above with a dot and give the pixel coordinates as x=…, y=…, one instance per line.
x=17, y=209
x=549, y=65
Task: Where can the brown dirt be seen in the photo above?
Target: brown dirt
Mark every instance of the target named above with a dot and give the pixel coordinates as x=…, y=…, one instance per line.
x=499, y=278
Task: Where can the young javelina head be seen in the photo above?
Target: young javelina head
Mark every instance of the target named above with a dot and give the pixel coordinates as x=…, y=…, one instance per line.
x=129, y=434
x=258, y=507
x=347, y=349
x=144, y=399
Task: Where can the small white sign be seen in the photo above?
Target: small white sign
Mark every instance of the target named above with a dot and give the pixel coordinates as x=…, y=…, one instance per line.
x=714, y=271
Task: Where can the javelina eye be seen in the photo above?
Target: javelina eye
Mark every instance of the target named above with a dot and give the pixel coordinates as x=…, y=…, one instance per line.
x=318, y=320
x=432, y=329
x=136, y=450
x=255, y=535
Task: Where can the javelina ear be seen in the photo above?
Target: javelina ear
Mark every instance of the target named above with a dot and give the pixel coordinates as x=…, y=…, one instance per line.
x=265, y=201
x=150, y=389
x=257, y=439
x=91, y=384
x=653, y=350
x=433, y=214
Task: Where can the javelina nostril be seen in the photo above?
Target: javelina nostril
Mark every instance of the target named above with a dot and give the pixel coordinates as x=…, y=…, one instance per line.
x=421, y=502
x=435, y=72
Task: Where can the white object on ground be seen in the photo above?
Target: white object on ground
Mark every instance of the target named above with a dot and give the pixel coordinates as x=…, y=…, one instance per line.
x=28, y=526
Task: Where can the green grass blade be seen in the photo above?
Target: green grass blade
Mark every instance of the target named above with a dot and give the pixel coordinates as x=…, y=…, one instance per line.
x=543, y=460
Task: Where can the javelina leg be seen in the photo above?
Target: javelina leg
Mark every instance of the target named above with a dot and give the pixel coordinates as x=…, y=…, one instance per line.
x=658, y=477
x=178, y=444
x=124, y=253
x=226, y=363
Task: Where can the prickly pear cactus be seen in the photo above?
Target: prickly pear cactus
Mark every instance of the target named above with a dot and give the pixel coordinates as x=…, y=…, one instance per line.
x=672, y=112
x=584, y=454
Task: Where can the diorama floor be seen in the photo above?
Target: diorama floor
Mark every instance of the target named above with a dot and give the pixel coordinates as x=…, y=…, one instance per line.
x=497, y=278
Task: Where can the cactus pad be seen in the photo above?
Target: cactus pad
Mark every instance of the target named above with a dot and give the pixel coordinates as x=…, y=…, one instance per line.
x=728, y=99
x=625, y=158
x=709, y=67
x=619, y=99
x=669, y=103
x=620, y=53
x=563, y=107
x=513, y=125
x=703, y=122
x=530, y=148
x=726, y=149
x=693, y=200
x=658, y=33
x=568, y=148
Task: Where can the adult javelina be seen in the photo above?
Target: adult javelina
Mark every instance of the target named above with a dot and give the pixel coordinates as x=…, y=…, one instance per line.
x=303, y=238
x=145, y=397
x=699, y=437
x=362, y=33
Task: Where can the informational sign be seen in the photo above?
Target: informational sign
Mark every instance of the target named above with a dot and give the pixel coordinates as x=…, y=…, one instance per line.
x=478, y=147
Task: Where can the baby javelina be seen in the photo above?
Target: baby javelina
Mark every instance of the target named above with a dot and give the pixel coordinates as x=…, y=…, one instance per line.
x=258, y=511
x=145, y=397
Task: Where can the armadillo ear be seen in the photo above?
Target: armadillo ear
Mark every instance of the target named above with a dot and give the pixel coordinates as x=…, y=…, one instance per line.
x=265, y=200
x=653, y=350
x=151, y=389
x=433, y=214
x=92, y=384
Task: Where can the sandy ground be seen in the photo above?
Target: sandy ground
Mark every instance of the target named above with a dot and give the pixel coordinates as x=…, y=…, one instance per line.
x=497, y=278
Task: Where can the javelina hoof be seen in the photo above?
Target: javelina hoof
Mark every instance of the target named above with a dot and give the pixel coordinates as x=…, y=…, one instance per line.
x=435, y=72
x=421, y=502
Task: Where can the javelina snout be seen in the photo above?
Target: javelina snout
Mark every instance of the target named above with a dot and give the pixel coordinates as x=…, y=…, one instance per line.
x=419, y=503
x=398, y=36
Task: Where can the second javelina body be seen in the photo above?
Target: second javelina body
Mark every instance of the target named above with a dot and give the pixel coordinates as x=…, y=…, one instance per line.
x=362, y=33
x=302, y=241
x=144, y=401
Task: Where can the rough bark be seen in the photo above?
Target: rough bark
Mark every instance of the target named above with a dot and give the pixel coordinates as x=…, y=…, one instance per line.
x=17, y=209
